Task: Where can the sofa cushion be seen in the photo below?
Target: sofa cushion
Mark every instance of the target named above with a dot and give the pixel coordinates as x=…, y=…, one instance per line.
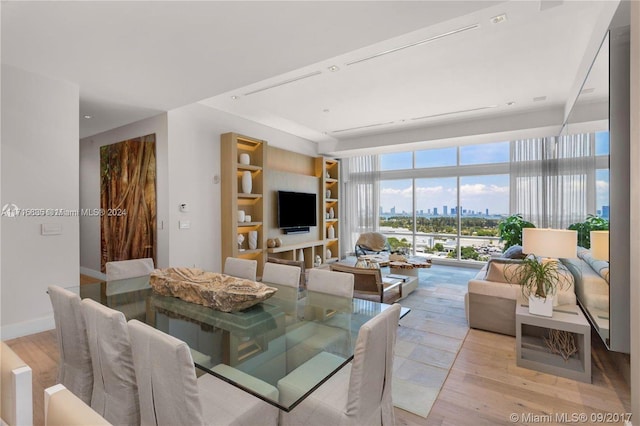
x=514, y=252
x=496, y=270
x=601, y=267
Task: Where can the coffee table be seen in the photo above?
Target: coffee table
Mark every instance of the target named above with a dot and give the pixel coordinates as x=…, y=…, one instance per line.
x=409, y=267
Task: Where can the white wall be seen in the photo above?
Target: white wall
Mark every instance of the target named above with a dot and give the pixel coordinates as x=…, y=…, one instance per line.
x=194, y=160
x=39, y=171
x=90, y=187
x=188, y=158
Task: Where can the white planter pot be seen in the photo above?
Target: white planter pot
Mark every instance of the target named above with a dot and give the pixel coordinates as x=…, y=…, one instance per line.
x=245, y=159
x=246, y=182
x=540, y=306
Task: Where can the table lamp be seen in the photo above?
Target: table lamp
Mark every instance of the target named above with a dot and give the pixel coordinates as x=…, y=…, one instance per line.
x=550, y=243
x=600, y=245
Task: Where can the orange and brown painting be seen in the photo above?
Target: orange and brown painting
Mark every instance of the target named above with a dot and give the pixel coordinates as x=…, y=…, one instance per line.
x=128, y=200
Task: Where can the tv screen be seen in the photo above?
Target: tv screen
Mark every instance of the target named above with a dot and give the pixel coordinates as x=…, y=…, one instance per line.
x=296, y=209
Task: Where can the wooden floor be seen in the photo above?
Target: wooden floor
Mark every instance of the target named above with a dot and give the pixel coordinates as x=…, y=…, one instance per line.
x=484, y=386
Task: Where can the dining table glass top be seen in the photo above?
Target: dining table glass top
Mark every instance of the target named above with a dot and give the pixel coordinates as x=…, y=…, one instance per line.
x=279, y=350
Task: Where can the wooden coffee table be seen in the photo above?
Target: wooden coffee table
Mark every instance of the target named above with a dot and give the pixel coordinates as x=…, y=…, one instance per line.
x=409, y=267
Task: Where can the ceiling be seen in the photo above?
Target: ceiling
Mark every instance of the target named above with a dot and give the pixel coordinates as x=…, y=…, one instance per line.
x=445, y=60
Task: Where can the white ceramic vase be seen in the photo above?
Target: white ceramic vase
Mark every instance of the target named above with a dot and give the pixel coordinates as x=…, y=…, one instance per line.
x=246, y=182
x=241, y=216
x=540, y=306
x=245, y=159
x=331, y=213
x=331, y=233
x=253, y=240
x=328, y=254
x=328, y=193
x=301, y=256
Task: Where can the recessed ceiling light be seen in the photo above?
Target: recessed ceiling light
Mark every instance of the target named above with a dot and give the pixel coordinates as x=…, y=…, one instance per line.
x=88, y=116
x=498, y=19
x=511, y=103
x=333, y=68
x=234, y=97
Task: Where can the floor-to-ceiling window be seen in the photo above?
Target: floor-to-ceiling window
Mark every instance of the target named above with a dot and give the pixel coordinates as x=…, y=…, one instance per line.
x=448, y=202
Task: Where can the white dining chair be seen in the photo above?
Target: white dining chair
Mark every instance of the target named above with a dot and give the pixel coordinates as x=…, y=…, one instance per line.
x=330, y=282
x=75, y=371
x=63, y=408
x=170, y=393
x=115, y=392
x=275, y=273
x=123, y=269
x=16, y=393
x=360, y=393
x=241, y=268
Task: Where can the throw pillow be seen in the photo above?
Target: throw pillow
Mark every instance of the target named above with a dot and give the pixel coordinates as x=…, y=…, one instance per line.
x=496, y=270
x=514, y=252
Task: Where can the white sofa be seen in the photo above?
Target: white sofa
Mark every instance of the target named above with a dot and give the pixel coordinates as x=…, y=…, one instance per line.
x=490, y=302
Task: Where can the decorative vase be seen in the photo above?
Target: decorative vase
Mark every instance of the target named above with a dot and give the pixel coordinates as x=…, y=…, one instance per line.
x=331, y=213
x=329, y=254
x=301, y=256
x=328, y=193
x=271, y=243
x=245, y=159
x=540, y=306
x=241, y=216
x=246, y=182
x=247, y=218
x=253, y=240
x=278, y=242
x=331, y=233
x=318, y=261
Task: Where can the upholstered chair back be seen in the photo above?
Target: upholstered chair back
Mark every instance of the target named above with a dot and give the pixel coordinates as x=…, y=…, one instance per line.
x=123, y=269
x=74, y=368
x=330, y=282
x=241, y=268
x=115, y=392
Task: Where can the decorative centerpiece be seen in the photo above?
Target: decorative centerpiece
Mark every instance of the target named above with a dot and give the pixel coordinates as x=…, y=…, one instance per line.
x=218, y=291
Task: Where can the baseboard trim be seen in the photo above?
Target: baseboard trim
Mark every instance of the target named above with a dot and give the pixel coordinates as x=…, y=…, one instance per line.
x=93, y=273
x=25, y=328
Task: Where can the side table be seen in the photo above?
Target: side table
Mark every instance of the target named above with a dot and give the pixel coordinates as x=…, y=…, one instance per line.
x=533, y=353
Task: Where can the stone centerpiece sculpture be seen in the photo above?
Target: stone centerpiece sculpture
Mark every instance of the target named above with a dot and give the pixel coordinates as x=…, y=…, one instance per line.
x=218, y=291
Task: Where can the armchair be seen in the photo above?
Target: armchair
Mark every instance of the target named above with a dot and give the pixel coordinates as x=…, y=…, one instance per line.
x=371, y=243
x=368, y=284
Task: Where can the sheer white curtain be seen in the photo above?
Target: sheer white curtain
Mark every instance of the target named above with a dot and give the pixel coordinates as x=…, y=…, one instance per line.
x=553, y=179
x=361, y=177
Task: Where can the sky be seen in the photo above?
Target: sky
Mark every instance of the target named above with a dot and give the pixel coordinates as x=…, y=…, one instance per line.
x=477, y=193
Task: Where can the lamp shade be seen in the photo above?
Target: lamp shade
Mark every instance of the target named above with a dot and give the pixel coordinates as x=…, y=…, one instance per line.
x=555, y=243
x=600, y=245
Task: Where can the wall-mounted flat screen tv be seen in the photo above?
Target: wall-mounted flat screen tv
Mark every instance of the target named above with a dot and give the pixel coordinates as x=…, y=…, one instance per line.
x=297, y=211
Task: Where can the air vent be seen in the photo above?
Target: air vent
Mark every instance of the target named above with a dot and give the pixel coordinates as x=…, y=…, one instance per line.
x=282, y=83
x=417, y=43
x=539, y=98
x=455, y=112
x=362, y=127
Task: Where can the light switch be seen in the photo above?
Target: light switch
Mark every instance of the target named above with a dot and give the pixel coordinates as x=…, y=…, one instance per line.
x=51, y=229
x=184, y=224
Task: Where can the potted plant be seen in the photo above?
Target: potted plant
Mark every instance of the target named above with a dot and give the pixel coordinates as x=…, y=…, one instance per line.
x=592, y=223
x=510, y=230
x=539, y=281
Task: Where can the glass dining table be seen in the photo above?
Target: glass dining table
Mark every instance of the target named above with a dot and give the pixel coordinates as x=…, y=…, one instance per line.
x=279, y=350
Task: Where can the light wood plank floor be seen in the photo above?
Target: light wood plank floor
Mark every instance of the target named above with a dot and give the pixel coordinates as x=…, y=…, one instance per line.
x=483, y=388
